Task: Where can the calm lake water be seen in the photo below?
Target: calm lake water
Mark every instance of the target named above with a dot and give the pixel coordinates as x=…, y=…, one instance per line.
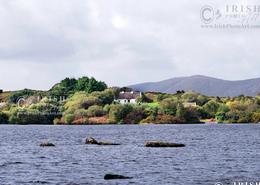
x=213, y=153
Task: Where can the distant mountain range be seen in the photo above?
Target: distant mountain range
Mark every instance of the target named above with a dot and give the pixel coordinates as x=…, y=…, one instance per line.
x=204, y=85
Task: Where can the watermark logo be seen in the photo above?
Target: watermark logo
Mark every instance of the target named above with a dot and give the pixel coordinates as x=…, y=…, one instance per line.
x=241, y=183
x=25, y=102
x=207, y=14
x=21, y=102
x=230, y=16
x=246, y=183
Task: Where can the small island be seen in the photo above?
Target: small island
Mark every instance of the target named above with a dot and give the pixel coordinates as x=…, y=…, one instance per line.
x=88, y=101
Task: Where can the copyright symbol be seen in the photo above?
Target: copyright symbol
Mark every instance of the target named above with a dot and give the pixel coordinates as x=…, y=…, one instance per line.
x=207, y=14
x=21, y=102
x=218, y=183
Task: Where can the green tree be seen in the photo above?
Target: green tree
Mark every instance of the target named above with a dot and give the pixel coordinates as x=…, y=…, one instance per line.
x=20, y=94
x=64, y=88
x=69, y=86
x=82, y=84
x=94, y=85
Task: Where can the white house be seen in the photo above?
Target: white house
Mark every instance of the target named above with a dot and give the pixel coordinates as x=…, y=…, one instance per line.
x=128, y=97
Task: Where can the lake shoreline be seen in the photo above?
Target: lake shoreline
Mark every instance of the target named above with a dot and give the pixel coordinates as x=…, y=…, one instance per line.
x=207, y=123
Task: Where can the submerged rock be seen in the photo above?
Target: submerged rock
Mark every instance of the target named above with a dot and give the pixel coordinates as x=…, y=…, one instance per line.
x=163, y=144
x=114, y=176
x=47, y=144
x=92, y=141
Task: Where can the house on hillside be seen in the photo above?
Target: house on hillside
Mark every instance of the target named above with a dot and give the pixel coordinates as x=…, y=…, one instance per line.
x=128, y=97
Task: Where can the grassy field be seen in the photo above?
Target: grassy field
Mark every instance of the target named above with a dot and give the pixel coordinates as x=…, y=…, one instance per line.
x=152, y=105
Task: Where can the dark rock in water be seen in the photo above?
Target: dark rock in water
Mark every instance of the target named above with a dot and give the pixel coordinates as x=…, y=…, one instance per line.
x=114, y=176
x=47, y=144
x=93, y=141
x=163, y=144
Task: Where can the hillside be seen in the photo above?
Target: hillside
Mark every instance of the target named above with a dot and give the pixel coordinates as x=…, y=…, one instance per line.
x=202, y=84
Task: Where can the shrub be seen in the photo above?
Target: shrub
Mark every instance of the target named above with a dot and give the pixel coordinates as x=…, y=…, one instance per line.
x=27, y=116
x=3, y=118
x=169, y=106
x=89, y=101
x=211, y=107
x=106, y=108
x=162, y=119
x=80, y=121
x=76, y=101
x=106, y=97
x=191, y=115
x=69, y=118
x=135, y=116
x=203, y=114
x=256, y=117
x=144, y=99
x=232, y=116
x=95, y=110
x=221, y=117
x=118, y=112
x=80, y=113
x=58, y=121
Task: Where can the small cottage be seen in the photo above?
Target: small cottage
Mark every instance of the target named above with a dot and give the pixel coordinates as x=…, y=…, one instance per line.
x=128, y=97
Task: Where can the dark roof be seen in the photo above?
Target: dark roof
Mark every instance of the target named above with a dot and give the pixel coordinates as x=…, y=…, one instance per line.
x=128, y=95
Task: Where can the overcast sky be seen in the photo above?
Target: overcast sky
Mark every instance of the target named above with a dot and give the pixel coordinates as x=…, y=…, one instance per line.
x=121, y=42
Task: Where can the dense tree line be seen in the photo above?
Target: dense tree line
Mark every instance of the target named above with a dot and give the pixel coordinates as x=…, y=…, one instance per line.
x=90, y=102
x=69, y=86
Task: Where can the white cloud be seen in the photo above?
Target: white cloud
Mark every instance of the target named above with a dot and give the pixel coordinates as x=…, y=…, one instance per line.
x=120, y=42
x=119, y=22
